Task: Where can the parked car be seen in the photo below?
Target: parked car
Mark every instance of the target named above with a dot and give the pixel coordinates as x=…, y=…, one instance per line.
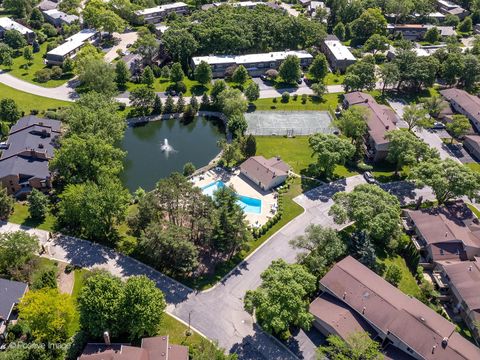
x=263, y=77
x=171, y=92
x=438, y=126
x=369, y=177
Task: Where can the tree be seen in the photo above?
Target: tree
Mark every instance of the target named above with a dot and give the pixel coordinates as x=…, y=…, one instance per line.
x=231, y=101
x=90, y=158
x=143, y=306
x=319, y=67
x=353, y=124
x=282, y=299
x=252, y=91
x=48, y=314
x=339, y=31
x=371, y=208
x=416, y=116
x=147, y=77
x=432, y=35
x=169, y=105
x=290, y=69
x=176, y=73
x=217, y=88
x=180, y=103
x=376, y=43
x=319, y=89
x=14, y=39
x=250, y=146
x=393, y=274
x=360, y=75
x=471, y=72
x=194, y=106
x=203, y=73
x=230, y=233
x=459, y=126
x=188, y=169
x=466, y=26
x=357, y=346
x=122, y=74
x=69, y=65
x=207, y=350
x=28, y=55
x=16, y=248
x=447, y=178
x=37, y=204
x=362, y=248
x=79, y=207
x=157, y=105
x=240, y=75
x=21, y=8
x=452, y=68
x=405, y=149
x=100, y=303
x=237, y=124
x=330, y=150
x=369, y=23
x=6, y=203
x=323, y=247
x=180, y=44
x=433, y=105
x=96, y=75
x=95, y=114
x=146, y=45
x=143, y=99
x=7, y=61
x=9, y=110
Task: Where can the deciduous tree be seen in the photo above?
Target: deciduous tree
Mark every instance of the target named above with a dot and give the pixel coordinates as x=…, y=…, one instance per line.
x=16, y=248
x=319, y=68
x=459, y=126
x=37, y=204
x=6, y=203
x=240, y=75
x=357, y=346
x=290, y=70
x=203, y=73
x=252, y=91
x=330, y=150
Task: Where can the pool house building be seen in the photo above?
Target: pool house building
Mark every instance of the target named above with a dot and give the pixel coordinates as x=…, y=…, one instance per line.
x=71, y=46
x=256, y=64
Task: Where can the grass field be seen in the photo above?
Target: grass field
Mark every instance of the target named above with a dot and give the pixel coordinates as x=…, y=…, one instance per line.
x=21, y=216
x=328, y=103
x=28, y=74
x=474, y=166
x=27, y=102
x=334, y=79
x=408, y=284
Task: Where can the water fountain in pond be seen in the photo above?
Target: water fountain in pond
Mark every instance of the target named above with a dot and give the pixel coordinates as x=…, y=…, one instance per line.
x=166, y=147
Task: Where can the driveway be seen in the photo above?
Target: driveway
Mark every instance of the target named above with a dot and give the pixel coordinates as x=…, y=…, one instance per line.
x=127, y=38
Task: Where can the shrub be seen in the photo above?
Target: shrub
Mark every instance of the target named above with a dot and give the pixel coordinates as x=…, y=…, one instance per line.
x=364, y=167
x=180, y=87
x=57, y=72
x=47, y=279
x=275, y=100
x=34, y=112
x=69, y=268
x=295, y=97
x=51, y=45
x=285, y=97
x=304, y=98
x=122, y=106
x=43, y=75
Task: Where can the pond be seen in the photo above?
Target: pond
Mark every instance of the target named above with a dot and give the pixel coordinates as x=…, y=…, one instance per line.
x=158, y=148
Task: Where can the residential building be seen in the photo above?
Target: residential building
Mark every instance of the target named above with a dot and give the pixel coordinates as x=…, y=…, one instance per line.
x=245, y=4
x=267, y=174
x=48, y=5
x=355, y=298
x=152, y=348
x=71, y=46
x=449, y=8
x=415, y=32
x=472, y=144
x=463, y=283
x=315, y=6
x=157, y=14
x=256, y=64
x=11, y=292
x=464, y=103
x=24, y=161
x=58, y=18
x=338, y=55
x=305, y=3
x=380, y=120
x=7, y=24
x=447, y=233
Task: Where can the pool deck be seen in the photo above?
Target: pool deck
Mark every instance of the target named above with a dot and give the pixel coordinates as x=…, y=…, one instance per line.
x=242, y=186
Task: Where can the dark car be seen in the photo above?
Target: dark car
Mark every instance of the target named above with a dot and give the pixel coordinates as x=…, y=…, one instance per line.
x=369, y=177
x=171, y=92
x=263, y=77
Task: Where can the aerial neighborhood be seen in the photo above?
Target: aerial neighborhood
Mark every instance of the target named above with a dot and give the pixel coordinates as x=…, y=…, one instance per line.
x=239, y=180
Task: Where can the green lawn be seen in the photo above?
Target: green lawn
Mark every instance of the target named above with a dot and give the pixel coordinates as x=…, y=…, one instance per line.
x=161, y=85
x=474, y=166
x=27, y=102
x=329, y=103
x=408, y=283
x=334, y=79
x=28, y=74
x=474, y=210
x=176, y=332
x=79, y=275
x=21, y=216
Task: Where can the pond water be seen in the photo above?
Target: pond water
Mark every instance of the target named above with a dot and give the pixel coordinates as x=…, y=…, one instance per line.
x=150, y=158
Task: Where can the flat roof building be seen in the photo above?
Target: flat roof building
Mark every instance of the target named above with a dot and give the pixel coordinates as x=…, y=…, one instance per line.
x=7, y=24
x=397, y=320
x=71, y=46
x=416, y=32
x=58, y=18
x=380, y=120
x=256, y=64
x=337, y=54
x=157, y=14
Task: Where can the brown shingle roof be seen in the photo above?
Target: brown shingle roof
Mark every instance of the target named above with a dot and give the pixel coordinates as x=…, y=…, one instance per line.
x=380, y=118
x=468, y=102
x=263, y=170
x=465, y=277
x=391, y=311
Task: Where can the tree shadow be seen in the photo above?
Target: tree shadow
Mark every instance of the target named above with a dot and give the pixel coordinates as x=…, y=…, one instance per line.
x=198, y=90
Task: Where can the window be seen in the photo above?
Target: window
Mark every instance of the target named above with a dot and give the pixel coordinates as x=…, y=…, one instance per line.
x=410, y=350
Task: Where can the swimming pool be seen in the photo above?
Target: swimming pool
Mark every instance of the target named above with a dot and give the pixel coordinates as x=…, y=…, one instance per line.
x=248, y=204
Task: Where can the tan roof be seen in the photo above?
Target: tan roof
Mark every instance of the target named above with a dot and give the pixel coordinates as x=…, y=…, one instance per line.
x=465, y=277
x=380, y=118
x=338, y=315
x=263, y=170
x=473, y=138
x=450, y=223
x=391, y=311
x=470, y=103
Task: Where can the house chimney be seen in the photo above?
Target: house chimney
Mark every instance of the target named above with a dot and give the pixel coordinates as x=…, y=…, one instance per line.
x=106, y=338
x=445, y=342
x=344, y=295
x=470, y=268
x=433, y=349
x=363, y=310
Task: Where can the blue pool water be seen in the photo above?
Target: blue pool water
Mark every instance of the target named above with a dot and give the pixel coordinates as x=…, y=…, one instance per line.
x=248, y=204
